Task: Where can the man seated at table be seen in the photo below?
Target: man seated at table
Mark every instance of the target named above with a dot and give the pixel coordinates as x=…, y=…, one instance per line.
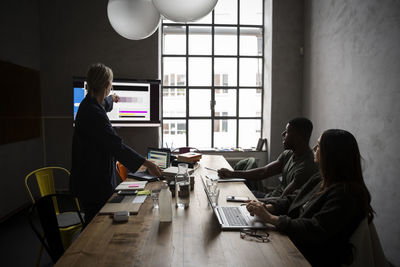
x=296, y=163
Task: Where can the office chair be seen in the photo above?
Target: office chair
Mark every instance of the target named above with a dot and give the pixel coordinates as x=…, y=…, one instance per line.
x=248, y=164
x=121, y=170
x=44, y=222
x=69, y=224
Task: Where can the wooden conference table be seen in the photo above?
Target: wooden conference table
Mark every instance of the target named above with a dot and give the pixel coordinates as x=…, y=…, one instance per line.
x=193, y=238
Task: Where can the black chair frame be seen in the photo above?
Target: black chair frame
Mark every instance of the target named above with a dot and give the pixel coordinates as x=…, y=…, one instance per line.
x=50, y=235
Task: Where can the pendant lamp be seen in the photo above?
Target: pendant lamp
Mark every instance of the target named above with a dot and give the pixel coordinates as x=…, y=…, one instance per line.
x=133, y=19
x=184, y=10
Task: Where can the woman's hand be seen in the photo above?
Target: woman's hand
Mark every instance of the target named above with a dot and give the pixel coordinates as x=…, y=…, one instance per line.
x=152, y=168
x=261, y=210
x=115, y=98
x=225, y=173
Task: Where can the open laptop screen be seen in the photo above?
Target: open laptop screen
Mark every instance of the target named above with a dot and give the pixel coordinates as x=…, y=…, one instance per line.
x=159, y=156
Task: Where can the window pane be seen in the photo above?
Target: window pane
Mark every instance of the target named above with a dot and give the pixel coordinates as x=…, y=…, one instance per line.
x=174, y=133
x=249, y=132
x=200, y=133
x=174, y=71
x=251, y=12
x=225, y=72
x=251, y=41
x=204, y=20
x=167, y=21
x=199, y=102
x=249, y=103
x=225, y=41
x=226, y=12
x=174, y=102
x=225, y=102
x=200, y=41
x=224, y=133
x=174, y=40
x=200, y=71
x=250, y=72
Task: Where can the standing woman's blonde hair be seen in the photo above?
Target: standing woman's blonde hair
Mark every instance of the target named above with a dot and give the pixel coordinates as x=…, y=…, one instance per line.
x=99, y=76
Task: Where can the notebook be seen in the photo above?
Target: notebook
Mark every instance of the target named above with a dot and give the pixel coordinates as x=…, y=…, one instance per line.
x=122, y=203
x=131, y=186
x=234, y=217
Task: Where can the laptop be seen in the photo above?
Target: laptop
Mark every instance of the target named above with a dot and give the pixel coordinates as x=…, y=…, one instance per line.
x=160, y=156
x=234, y=217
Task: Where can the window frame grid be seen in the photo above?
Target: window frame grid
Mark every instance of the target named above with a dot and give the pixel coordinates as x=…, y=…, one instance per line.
x=213, y=87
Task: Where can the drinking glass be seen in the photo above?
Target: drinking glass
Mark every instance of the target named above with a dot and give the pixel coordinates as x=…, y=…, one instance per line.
x=154, y=198
x=214, y=197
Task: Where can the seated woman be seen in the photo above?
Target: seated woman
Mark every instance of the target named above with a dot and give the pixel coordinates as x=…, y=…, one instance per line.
x=328, y=208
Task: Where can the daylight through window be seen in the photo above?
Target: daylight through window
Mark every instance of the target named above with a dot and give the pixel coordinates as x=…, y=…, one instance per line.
x=212, y=78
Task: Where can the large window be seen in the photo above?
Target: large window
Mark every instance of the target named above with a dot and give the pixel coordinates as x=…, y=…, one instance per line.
x=212, y=73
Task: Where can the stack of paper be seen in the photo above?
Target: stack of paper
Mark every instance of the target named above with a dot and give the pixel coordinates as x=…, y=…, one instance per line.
x=169, y=173
x=190, y=157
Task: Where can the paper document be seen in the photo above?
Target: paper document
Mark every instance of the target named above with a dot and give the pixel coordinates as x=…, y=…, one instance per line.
x=139, y=199
x=221, y=180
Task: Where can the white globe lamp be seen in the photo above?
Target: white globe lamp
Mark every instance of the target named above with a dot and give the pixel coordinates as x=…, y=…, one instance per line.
x=184, y=10
x=133, y=19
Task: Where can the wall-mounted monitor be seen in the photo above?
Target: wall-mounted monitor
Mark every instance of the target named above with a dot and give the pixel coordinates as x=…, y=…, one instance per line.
x=139, y=101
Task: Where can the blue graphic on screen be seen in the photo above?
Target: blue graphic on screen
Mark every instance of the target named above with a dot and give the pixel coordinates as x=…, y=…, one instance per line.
x=79, y=95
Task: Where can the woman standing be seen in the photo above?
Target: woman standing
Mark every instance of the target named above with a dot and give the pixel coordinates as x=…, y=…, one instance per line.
x=96, y=146
x=329, y=207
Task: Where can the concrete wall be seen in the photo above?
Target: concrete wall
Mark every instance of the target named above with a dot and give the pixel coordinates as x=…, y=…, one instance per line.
x=75, y=34
x=284, y=61
x=352, y=81
x=20, y=44
x=61, y=39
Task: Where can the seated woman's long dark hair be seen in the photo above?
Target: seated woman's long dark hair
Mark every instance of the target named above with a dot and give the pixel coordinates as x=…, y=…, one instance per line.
x=340, y=163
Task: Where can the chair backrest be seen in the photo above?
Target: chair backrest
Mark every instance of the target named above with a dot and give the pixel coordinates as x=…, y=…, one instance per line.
x=122, y=171
x=367, y=247
x=246, y=164
x=49, y=235
x=45, y=182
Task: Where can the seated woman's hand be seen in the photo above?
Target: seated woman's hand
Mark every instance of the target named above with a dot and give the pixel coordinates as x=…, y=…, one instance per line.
x=225, y=173
x=258, y=208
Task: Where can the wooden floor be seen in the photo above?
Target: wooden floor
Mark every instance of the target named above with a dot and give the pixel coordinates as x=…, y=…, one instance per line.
x=19, y=246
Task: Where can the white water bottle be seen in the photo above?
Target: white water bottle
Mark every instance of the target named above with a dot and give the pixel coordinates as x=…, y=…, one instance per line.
x=165, y=203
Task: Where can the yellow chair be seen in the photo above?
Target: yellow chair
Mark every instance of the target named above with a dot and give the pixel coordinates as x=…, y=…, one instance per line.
x=69, y=224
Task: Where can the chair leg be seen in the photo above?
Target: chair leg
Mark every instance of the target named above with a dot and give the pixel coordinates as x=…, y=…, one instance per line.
x=39, y=256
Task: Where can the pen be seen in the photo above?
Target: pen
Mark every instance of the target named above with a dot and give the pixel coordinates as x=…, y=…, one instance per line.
x=211, y=169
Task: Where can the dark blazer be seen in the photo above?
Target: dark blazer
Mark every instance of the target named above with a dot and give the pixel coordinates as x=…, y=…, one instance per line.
x=320, y=224
x=95, y=149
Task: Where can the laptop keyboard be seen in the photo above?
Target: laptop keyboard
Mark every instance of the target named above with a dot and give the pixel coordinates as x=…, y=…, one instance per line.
x=234, y=216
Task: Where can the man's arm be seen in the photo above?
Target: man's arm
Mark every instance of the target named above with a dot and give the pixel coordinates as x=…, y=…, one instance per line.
x=269, y=170
x=289, y=189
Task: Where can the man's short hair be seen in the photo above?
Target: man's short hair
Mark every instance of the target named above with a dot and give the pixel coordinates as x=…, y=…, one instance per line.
x=303, y=126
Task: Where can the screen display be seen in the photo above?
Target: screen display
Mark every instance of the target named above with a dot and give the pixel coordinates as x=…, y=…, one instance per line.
x=133, y=104
x=160, y=157
x=138, y=100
